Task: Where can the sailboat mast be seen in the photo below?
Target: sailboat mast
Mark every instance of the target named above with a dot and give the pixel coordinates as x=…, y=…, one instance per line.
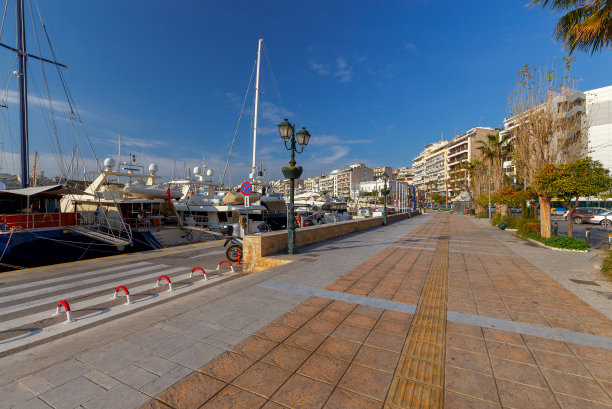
x=23, y=93
x=256, y=106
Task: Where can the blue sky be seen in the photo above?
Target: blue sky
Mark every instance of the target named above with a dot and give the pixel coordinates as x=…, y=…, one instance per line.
x=372, y=81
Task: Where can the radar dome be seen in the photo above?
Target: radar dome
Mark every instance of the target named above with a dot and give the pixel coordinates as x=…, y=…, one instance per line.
x=210, y=173
x=153, y=167
x=197, y=171
x=109, y=163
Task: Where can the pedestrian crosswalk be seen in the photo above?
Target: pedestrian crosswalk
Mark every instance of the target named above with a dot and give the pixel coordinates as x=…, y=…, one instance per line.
x=27, y=310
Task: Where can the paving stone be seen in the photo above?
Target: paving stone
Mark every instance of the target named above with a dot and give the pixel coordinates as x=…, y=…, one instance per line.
x=170, y=345
x=156, y=364
x=192, y=391
x=146, y=337
x=196, y=355
x=119, y=397
x=165, y=381
x=323, y=368
x=134, y=376
x=13, y=394
x=35, y=403
x=113, y=357
x=234, y=398
x=302, y=392
x=522, y=396
x=262, y=379
x=227, y=366
x=34, y=384
x=286, y=356
x=366, y=381
x=63, y=372
x=343, y=399
x=72, y=393
x=105, y=381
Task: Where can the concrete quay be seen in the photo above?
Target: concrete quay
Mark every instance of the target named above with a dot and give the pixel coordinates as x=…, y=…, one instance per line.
x=434, y=311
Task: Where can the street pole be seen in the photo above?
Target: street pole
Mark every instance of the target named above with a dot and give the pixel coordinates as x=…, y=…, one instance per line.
x=292, y=172
x=490, y=189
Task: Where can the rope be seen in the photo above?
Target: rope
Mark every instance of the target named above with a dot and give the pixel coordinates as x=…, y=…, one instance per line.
x=7, y=242
x=274, y=79
x=239, y=118
x=3, y=17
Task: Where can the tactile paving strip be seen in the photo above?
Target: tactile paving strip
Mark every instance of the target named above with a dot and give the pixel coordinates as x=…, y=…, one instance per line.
x=418, y=381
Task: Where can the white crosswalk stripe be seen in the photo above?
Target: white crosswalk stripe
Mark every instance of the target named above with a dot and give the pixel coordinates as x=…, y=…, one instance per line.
x=70, y=276
x=73, y=283
x=90, y=290
x=21, y=338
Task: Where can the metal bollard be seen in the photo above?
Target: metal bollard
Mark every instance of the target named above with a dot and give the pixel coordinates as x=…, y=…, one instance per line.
x=587, y=235
x=555, y=228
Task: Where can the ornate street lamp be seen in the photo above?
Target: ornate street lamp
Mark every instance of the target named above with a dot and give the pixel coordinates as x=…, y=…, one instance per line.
x=385, y=192
x=292, y=172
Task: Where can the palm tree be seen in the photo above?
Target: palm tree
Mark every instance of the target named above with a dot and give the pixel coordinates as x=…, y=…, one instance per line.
x=494, y=149
x=587, y=24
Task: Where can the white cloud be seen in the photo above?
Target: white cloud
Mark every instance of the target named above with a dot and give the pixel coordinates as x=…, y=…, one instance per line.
x=343, y=71
x=324, y=140
x=410, y=47
x=338, y=68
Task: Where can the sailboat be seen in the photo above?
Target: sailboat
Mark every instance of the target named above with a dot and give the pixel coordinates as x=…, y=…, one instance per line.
x=33, y=228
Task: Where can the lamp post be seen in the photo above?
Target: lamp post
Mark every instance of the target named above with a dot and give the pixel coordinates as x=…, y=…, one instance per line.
x=385, y=192
x=292, y=172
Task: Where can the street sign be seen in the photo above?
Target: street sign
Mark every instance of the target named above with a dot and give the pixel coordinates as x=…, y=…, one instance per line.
x=246, y=188
x=247, y=201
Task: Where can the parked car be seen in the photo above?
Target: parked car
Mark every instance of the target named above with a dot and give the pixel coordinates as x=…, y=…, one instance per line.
x=516, y=209
x=603, y=218
x=584, y=214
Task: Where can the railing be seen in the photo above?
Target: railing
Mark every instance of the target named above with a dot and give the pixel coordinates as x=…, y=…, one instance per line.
x=100, y=222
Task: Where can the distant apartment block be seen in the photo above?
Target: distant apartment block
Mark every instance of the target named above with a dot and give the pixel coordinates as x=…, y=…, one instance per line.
x=403, y=174
x=429, y=168
x=464, y=148
x=380, y=170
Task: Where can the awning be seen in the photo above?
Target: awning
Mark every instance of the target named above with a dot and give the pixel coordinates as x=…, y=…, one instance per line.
x=53, y=190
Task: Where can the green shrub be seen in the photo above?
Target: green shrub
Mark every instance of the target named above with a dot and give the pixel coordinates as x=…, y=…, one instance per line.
x=472, y=212
x=482, y=216
x=606, y=265
x=561, y=242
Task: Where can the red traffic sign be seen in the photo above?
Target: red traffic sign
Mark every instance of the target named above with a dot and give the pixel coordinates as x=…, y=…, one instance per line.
x=246, y=188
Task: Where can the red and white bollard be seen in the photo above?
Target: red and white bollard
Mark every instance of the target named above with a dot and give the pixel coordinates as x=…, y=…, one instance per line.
x=127, y=293
x=198, y=268
x=66, y=308
x=167, y=279
x=225, y=262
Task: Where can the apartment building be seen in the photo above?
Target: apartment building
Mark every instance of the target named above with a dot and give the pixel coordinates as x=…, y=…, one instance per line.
x=403, y=174
x=464, y=148
x=599, y=120
x=429, y=168
x=380, y=170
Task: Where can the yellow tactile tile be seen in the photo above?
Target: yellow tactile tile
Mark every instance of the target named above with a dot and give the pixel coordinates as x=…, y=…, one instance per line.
x=418, y=381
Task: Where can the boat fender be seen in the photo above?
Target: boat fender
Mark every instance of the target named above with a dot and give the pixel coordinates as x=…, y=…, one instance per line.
x=188, y=236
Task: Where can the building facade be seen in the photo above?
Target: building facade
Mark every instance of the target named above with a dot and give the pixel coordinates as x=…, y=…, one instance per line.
x=461, y=149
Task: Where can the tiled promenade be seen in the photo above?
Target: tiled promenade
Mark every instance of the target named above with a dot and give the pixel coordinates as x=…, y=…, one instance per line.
x=447, y=317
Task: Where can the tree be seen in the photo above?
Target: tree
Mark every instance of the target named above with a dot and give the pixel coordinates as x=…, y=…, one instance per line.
x=547, y=127
x=583, y=177
x=587, y=24
x=494, y=149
